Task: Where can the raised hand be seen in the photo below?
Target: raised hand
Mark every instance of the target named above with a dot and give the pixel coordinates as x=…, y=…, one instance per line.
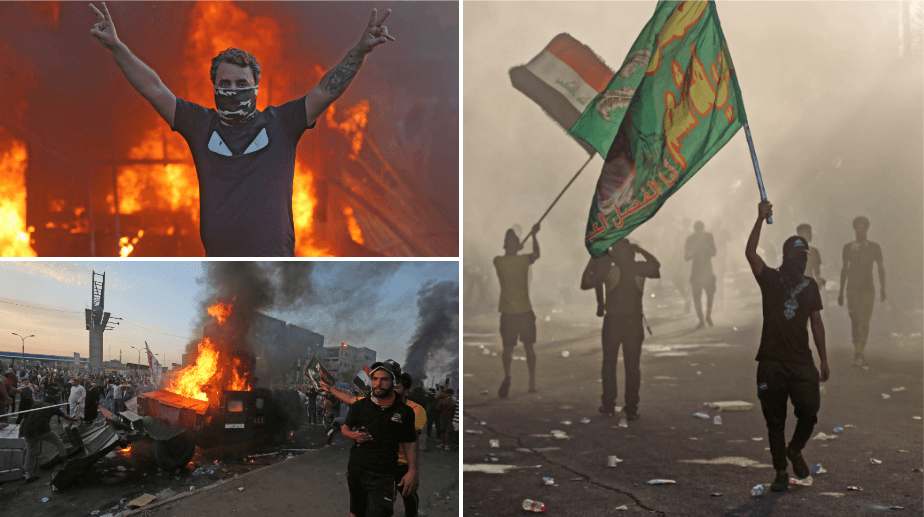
x=375, y=33
x=104, y=30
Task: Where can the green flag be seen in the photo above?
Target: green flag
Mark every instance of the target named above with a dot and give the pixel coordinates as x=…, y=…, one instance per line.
x=671, y=106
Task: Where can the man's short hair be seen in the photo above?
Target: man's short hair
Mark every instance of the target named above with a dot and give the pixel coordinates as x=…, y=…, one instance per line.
x=406, y=380
x=238, y=57
x=860, y=220
x=803, y=228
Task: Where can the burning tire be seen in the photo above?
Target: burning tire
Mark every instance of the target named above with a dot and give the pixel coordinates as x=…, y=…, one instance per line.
x=173, y=453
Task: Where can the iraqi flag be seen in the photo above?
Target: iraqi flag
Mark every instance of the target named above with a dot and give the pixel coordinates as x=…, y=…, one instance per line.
x=563, y=79
x=363, y=380
x=156, y=370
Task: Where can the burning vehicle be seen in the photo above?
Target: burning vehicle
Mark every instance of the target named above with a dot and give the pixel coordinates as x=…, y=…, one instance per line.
x=214, y=402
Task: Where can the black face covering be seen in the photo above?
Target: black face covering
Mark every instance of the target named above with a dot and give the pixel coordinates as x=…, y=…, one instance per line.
x=236, y=106
x=793, y=270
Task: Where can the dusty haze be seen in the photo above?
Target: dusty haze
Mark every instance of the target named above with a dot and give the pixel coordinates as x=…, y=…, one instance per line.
x=833, y=93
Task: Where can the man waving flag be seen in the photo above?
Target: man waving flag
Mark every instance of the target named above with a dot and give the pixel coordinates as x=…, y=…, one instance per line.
x=671, y=106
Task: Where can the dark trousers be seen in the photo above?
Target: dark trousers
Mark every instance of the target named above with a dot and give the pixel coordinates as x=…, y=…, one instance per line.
x=312, y=415
x=411, y=502
x=372, y=494
x=776, y=382
x=860, y=308
x=626, y=330
x=699, y=285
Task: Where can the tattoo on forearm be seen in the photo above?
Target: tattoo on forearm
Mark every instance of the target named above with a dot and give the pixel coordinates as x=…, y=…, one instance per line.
x=341, y=76
x=339, y=79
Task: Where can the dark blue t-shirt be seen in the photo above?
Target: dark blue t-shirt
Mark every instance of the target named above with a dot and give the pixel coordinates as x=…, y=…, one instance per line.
x=245, y=178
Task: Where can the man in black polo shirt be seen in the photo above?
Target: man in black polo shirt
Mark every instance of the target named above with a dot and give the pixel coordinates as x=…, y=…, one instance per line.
x=786, y=369
x=623, y=279
x=380, y=423
x=245, y=158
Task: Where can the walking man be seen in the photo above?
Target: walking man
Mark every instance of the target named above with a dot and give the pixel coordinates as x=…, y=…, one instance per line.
x=623, y=280
x=857, y=275
x=700, y=248
x=517, y=321
x=785, y=368
x=36, y=429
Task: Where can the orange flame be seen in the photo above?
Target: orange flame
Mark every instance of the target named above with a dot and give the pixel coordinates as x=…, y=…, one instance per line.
x=15, y=238
x=211, y=372
x=190, y=380
x=355, y=232
x=127, y=247
x=352, y=127
x=220, y=311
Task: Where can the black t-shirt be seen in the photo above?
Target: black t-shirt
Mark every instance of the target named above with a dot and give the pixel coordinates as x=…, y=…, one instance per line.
x=245, y=177
x=625, y=297
x=388, y=426
x=785, y=334
x=38, y=423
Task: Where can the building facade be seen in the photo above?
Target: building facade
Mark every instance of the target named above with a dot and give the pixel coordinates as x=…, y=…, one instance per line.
x=346, y=361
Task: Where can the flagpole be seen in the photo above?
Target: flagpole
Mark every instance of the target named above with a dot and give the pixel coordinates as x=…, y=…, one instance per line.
x=591, y=157
x=760, y=181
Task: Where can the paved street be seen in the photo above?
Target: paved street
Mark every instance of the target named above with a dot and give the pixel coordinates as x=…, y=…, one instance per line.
x=312, y=483
x=714, y=466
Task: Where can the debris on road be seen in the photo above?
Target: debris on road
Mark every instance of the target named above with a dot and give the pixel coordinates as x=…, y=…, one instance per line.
x=585, y=420
x=704, y=416
x=838, y=430
x=469, y=431
x=565, y=422
x=874, y=461
x=900, y=388
x=716, y=494
x=621, y=508
x=165, y=494
x=824, y=437
x=623, y=422
x=818, y=469
x=140, y=501
x=661, y=482
x=548, y=481
x=612, y=461
x=495, y=444
x=533, y=506
x=717, y=420
x=757, y=438
x=484, y=392
x=801, y=482
x=854, y=489
x=886, y=396
x=480, y=422
x=758, y=491
x=730, y=405
x=44, y=499
x=565, y=353
x=833, y=494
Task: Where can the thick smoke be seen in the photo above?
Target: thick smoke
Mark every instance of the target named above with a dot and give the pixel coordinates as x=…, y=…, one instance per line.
x=331, y=299
x=435, y=347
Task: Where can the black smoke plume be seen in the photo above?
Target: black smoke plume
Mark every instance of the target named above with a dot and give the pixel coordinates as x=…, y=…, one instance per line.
x=434, y=351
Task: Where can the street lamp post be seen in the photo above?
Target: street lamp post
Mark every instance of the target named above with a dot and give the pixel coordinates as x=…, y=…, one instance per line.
x=23, y=338
x=138, y=366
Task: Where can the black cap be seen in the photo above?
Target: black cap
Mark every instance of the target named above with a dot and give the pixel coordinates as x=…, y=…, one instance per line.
x=389, y=366
x=795, y=244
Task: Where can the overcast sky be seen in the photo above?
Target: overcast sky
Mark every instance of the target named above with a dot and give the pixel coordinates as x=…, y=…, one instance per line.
x=159, y=303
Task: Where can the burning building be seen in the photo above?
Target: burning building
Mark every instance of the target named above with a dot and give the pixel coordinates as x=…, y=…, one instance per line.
x=116, y=181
